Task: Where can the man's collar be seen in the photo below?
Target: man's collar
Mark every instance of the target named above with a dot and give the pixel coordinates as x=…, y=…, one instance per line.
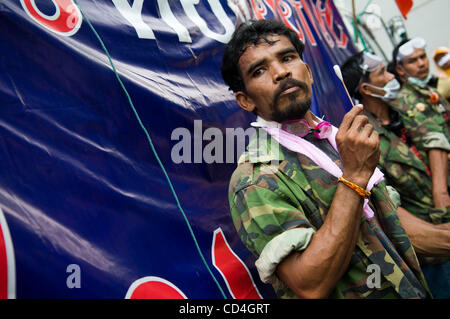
x=260, y=122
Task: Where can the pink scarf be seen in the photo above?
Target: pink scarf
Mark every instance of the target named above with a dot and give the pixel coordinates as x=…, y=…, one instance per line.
x=297, y=144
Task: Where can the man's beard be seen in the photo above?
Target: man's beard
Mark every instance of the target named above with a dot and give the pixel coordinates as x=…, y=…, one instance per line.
x=296, y=108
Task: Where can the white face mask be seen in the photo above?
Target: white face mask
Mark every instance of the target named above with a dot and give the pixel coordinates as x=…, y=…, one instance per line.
x=416, y=81
x=391, y=88
x=419, y=82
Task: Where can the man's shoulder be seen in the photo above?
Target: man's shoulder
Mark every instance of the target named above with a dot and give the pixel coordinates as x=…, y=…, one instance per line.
x=407, y=94
x=243, y=176
x=259, y=174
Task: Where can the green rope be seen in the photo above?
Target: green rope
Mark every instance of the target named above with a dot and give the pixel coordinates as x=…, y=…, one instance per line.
x=364, y=10
x=152, y=147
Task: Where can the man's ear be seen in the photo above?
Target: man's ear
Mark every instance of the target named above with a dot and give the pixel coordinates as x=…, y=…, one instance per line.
x=310, y=73
x=245, y=101
x=400, y=70
x=363, y=89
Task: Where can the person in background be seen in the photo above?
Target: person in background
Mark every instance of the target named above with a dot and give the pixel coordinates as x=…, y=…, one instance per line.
x=441, y=58
x=424, y=113
x=369, y=83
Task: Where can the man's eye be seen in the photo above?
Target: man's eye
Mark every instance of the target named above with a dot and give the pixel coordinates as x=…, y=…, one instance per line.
x=258, y=72
x=288, y=58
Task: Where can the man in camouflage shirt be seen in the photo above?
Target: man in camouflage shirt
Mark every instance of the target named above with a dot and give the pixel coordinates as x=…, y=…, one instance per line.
x=425, y=114
x=306, y=227
x=368, y=82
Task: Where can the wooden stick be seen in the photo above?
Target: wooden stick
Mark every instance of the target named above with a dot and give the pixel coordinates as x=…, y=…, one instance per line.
x=338, y=72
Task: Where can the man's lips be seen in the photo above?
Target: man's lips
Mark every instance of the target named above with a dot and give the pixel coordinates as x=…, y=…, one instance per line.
x=290, y=90
x=289, y=86
x=423, y=72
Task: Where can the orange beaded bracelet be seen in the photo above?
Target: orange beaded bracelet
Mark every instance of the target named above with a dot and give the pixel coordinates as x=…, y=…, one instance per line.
x=361, y=191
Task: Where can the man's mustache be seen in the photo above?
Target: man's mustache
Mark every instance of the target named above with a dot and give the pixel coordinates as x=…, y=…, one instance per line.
x=286, y=84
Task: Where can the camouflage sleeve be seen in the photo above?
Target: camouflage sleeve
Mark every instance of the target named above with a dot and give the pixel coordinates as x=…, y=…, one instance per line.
x=296, y=239
x=260, y=214
x=394, y=195
x=436, y=140
x=270, y=224
x=421, y=120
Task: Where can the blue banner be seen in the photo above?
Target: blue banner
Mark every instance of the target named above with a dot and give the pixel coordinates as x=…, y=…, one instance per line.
x=117, y=142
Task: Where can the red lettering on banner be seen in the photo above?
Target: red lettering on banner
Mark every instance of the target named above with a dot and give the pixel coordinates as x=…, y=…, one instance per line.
x=311, y=17
x=259, y=7
x=233, y=270
x=7, y=262
x=3, y=268
x=342, y=40
x=286, y=12
x=317, y=12
x=65, y=21
x=154, y=288
x=298, y=9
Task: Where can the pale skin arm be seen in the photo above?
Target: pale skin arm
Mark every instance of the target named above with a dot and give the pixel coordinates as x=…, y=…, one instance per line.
x=426, y=238
x=315, y=272
x=439, y=171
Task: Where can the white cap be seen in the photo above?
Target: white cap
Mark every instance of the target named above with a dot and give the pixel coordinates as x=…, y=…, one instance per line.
x=371, y=62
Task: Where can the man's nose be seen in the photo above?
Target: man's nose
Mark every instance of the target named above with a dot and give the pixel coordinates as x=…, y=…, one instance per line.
x=390, y=76
x=421, y=62
x=281, y=72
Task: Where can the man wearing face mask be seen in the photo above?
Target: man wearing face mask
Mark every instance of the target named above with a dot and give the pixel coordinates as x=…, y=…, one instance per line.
x=424, y=113
x=368, y=82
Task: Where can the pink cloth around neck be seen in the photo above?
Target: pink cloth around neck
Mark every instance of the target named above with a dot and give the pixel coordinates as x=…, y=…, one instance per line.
x=299, y=145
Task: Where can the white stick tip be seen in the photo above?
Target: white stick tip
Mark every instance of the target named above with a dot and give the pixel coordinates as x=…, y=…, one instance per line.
x=337, y=70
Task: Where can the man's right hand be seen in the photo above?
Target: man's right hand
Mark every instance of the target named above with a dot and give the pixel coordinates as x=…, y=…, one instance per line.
x=358, y=146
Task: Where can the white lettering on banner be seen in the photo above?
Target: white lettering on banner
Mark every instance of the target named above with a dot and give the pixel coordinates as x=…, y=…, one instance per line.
x=65, y=21
x=169, y=18
x=240, y=9
x=133, y=14
x=219, y=12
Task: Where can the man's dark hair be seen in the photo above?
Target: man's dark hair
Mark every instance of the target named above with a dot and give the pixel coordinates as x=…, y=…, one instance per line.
x=395, y=52
x=247, y=34
x=353, y=74
x=391, y=67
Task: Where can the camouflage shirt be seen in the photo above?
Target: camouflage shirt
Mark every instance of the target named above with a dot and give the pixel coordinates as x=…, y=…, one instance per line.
x=425, y=121
x=407, y=174
x=273, y=192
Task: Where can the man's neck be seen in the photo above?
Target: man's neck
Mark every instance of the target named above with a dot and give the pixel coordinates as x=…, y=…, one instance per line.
x=309, y=116
x=377, y=107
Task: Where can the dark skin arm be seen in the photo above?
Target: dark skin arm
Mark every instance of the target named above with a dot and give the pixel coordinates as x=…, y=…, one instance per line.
x=439, y=170
x=315, y=272
x=426, y=238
